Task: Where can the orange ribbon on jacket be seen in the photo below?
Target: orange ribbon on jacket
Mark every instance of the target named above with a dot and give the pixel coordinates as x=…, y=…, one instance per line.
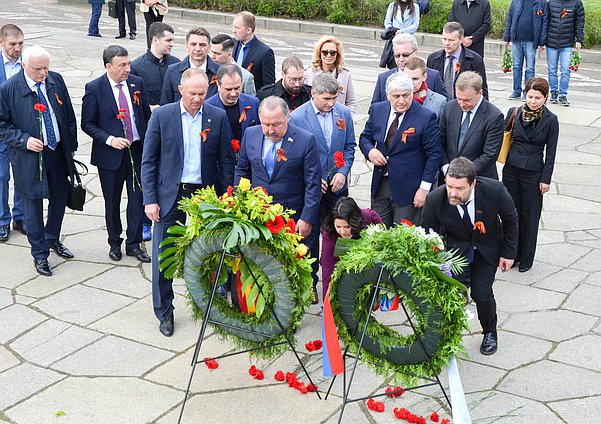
x=204, y=134
x=457, y=68
x=136, y=97
x=213, y=80
x=479, y=225
x=281, y=156
x=406, y=133
x=341, y=124
x=249, y=67
x=243, y=114
x=59, y=101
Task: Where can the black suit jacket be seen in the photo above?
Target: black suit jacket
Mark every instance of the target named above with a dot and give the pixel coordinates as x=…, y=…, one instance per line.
x=19, y=121
x=99, y=120
x=527, y=148
x=170, y=92
x=468, y=61
x=494, y=207
x=259, y=60
x=475, y=21
x=482, y=141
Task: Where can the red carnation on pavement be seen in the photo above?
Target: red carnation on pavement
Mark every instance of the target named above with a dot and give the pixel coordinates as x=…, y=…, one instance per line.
x=445, y=421
x=259, y=375
x=310, y=346
x=375, y=406
x=434, y=417
x=312, y=388
x=252, y=370
x=211, y=363
x=318, y=344
x=276, y=225
x=279, y=376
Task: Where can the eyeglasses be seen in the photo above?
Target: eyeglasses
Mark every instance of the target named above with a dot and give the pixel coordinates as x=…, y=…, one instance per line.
x=295, y=80
x=405, y=55
x=329, y=52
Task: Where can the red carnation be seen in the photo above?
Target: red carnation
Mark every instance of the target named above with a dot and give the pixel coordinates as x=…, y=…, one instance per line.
x=310, y=346
x=252, y=370
x=302, y=388
x=401, y=413
x=259, y=375
x=230, y=190
x=291, y=226
x=445, y=421
x=406, y=222
x=434, y=417
x=276, y=225
x=318, y=344
x=122, y=110
x=235, y=145
x=312, y=388
x=121, y=116
x=39, y=107
x=279, y=376
x=339, y=159
x=211, y=363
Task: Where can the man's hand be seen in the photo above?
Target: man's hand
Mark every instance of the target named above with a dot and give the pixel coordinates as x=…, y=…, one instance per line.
x=543, y=188
x=376, y=157
x=324, y=186
x=578, y=45
x=338, y=182
x=506, y=43
x=152, y=211
x=505, y=264
x=119, y=143
x=420, y=198
x=467, y=41
x=35, y=144
x=303, y=228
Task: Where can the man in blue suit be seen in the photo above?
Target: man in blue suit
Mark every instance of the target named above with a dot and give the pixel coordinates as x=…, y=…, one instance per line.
x=38, y=125
x=180, y=157
x=405, y=46
x=198, y=42
x=402, y=140
x=11, y=41
x=251, y=53
x=117, y=146
x=283, y=159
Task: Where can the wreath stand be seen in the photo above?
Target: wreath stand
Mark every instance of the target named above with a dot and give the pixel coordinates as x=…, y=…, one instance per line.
x=346, y=386
x=207, y=320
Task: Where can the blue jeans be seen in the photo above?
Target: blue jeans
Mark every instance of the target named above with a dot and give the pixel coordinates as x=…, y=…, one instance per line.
x=521, y=50
x=564, y=57
x=5, y=215
x=94, y=19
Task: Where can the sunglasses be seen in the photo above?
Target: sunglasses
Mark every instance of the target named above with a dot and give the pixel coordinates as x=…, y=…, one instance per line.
x=329, y=52
x=405, y=55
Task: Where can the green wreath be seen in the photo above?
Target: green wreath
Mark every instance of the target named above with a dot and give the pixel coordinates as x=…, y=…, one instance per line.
x=417, y=269
x=246, y=222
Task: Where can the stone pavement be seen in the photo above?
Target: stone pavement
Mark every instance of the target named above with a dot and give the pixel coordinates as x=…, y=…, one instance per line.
x=83, y=346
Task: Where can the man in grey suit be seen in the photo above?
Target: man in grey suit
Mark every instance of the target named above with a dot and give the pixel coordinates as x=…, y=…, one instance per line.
x=471, y=127
x=415, y=68
x=179, y=157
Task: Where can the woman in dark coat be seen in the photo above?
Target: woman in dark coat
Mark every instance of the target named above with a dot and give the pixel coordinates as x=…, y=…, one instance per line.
x=527, y=174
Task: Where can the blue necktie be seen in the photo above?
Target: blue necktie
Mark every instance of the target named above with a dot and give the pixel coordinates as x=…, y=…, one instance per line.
x=50, y=136
x=468, y=223
x=240, y=55
x=270, y=159
x=463, y=130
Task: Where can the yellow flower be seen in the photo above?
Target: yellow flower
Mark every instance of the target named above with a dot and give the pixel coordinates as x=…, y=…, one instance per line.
x=302, y=250
x=244, y=184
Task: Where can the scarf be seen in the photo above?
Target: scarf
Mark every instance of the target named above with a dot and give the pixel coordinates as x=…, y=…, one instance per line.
x=532, y=115
x=421, y=94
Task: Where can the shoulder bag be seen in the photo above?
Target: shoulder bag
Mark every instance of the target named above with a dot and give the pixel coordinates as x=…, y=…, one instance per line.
x=507, y=137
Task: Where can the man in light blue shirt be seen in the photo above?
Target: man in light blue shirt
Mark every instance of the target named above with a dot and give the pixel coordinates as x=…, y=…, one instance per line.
x=11, y=41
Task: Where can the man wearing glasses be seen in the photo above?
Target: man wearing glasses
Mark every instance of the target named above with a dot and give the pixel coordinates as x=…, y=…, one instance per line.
x=291, y=87
x=405, y=46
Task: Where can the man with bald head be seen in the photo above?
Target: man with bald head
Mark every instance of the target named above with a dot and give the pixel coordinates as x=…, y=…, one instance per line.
x=178, y=160
x=40, y=145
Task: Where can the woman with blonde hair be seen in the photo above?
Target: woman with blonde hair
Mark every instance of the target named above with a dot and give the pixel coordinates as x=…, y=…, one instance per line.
x=328, y=57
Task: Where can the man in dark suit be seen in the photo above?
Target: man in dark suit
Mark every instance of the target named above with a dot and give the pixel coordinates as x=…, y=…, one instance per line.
x=180, y=157
x=478, y=218
x=117, y=146
x=251, y=53
x=474, y=16
x=11, y=42
x=38, y=125
x=402, y=140
x=453, y=59
x=283, y=159
x=291, y=87
x=471, y=127
x=404, y=47
x=128, y=6
x=197, y=45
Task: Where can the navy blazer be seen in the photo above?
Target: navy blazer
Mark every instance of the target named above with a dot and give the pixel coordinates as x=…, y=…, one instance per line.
x=494, y=207
x=468, y=61
x=170, y=92
x=18, y=122
x=409, y=163
x=482, y=141
x=163, y=156
x=99, y=112
x=259, y=60
x=343, y=137
x=252, y=114
x=434, y=83
x=296, y=182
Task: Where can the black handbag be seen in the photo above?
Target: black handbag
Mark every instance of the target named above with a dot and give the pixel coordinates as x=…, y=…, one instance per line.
x=77, y=192
x=112, y=4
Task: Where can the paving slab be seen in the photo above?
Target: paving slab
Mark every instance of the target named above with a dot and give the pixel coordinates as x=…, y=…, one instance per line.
x=563, y=281
x=126, y=281
x=581, y=351
x=13, y=389
x=584, y=299
x=97, y=400
x=578, y=410
x=7, y=359
x=513, y=297
x=564, y=254
x=505, y=408
x=17, y=319
x=6, y=298
x=554, y=326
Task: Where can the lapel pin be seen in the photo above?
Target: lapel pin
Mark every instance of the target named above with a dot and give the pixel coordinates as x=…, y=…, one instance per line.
x=290, y=139
x=209, y=120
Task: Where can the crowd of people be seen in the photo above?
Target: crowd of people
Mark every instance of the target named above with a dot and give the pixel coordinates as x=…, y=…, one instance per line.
x=165, y=128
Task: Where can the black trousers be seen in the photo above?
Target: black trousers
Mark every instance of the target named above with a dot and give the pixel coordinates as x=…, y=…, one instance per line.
x=389, y=212
x=524, y=190
x=151, y=18
x=129, y=7
x=39, y=234
x=112, y=186
x=479, y=277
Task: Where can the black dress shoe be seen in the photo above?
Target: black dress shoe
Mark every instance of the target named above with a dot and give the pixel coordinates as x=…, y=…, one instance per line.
x=4, y=232
x=19, y=225
x=61, y=250
x=489, y=343
x=42, y=267
x=524, y=268
x=132, y=37
x=166, y=327
x=115, y=253
x=139, y=254
x=314, y=296
x=120, y=36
